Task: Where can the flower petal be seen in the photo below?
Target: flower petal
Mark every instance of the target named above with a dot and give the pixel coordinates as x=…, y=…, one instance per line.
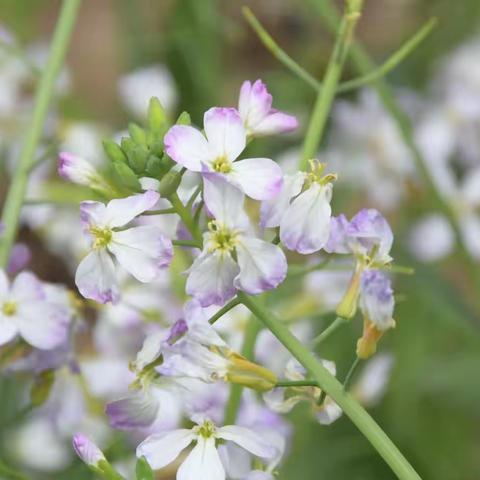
x=224, y=202
x=4, y=285
x=95, y=277
x=203, y=462
x=254, y=103
x=210, y=278
x=305, y=226
x=42, y=324
x=338, y=238
x=160, y=449
x=187, y=146
x=271, y=211
x=259, y=178
x=27, y=288
x=8, y=329
x=93, y=214
x=123, y=210
x=136, y=410
x=225, y=132
x=142, y=251
x=263, y=265
x=276, y=122
x=247, y=439
x=87, y=450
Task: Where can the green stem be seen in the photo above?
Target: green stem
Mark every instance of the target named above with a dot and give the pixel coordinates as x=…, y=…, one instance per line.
x=16, y=193
x=365, y=423
x=226, y=308
x=364, y=64
x=351, y=371
x=185, y=243
x=11, y=474
x=395, y=59
x=332, y=328
x=391, y=63
x=162, y=211
x=233, y=403
x=296, y=383
x=186, y=217
x=331, y=79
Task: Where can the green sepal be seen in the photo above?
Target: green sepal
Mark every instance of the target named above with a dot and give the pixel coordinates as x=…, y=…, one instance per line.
x=184, y=119
x=143, y=470
x=41, y=388
x=126, y=176
x=114, y=152
x=106, y=471
x=137, y=159
x=157, y=118
x=137, y=134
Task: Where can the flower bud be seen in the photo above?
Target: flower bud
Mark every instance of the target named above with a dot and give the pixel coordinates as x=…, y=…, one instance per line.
x=156, y=115
x=348, y=306
x=76, y=169
x=137, y=134
x=184, y=119
x=114, y=152
x=126, y=176
x=249, y=374
x=367, y=345
x=170, y=183
x=88, y=452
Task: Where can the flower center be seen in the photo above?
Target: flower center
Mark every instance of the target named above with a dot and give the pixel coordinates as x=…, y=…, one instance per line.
x=207, y=429
x=9, y=309
x=315, y=175
x=102, y=236
x=222, y=165
x=221, y=238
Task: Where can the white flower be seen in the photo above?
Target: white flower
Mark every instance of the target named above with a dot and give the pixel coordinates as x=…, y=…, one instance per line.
x=28, y=310
x=203, y=462
x=214, y=153
x=143, y=251
x=215, y=275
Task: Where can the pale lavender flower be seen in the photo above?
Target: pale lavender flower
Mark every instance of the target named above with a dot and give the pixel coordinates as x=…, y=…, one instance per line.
x=203, y=461
x=215, y=275
x=77, y=170
x=26, y=311
x=88, y=452
x=215, y=153
x=19, y=258
x=302, y=210
x=143, y=251
x=259, y=118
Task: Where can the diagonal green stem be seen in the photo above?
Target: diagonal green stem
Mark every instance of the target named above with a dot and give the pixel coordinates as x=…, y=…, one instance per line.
x=326, y=94
x=332, y=328
x=225, y=309
x=364, y=64
x=16, y=193
x=365, y=423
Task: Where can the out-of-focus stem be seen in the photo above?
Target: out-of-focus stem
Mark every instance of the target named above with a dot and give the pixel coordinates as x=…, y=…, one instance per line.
x=326, y=95
x=16, y=193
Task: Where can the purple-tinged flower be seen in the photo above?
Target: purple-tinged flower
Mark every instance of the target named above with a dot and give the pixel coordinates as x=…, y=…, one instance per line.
x=377, y=304
x=368, y=234
x=215, y=275
x=302, y=210
x=142, y=251
x=203, y=461
x=19, y=258
x=259, y=118
x=282, y=401
x=26, y=310
x=88, y=452
x=215, y=153
x=78, y=170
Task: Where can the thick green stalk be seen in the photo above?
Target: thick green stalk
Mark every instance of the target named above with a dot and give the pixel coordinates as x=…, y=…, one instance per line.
x=233, y=403
x=365, y=423
x=16, y=193
x=331, y=79
x=186, y=217
x=364, y=64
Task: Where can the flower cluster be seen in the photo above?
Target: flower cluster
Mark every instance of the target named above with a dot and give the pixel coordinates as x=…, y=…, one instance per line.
x=179, y=228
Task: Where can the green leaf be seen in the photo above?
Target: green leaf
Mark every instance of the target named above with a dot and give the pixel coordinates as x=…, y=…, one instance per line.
x=143, y=470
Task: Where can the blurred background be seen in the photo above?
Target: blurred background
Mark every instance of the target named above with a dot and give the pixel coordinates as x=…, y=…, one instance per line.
x=195, y=54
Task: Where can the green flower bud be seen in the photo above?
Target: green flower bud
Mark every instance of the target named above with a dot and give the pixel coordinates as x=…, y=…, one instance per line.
x=114, y=152
x=137, y=134
x=125, y=176
x=137, y=159
x=184, y=119
x=169, y=183
x=156, y=115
